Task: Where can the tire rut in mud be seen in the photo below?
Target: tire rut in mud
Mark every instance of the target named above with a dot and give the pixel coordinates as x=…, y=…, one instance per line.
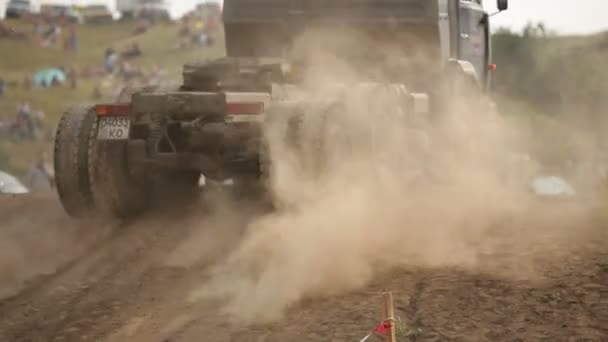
x=121, y=276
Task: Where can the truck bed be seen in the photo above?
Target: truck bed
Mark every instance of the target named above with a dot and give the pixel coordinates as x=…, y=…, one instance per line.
x=267, y=28
x=286, y=10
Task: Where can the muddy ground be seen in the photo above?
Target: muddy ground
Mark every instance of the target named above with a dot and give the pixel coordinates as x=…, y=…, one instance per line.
x=141, y=281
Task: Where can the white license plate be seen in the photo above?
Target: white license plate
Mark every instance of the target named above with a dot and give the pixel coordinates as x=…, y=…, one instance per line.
x=113, y=128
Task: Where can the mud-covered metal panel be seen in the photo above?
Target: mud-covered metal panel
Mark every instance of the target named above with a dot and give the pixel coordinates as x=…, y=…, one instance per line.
x=285, y=10
x=398, y=10
x=179, y=105
x=250, y=10
x=269, y=27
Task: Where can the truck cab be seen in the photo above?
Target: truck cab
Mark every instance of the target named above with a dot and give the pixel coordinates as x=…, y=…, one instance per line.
x=475, y=38
x=436, y=31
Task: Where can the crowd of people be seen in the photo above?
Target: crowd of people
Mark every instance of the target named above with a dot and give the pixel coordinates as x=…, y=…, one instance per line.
x=26, y=125
x=120, y=67
x=45, y=32
x=9, y=32
x=197, y=28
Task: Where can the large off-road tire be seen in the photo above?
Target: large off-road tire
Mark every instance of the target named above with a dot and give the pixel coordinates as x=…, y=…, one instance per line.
x=116, y=192
x=71, y=161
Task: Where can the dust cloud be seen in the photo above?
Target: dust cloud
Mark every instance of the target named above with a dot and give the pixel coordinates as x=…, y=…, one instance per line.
x=41, y=243
x=369, y=186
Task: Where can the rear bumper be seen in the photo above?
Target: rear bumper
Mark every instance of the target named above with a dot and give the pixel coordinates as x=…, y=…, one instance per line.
x=191, y=130
x=179, y=106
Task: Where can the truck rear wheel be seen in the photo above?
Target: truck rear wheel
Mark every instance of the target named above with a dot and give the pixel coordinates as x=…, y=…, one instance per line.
x=115, y=191
x=71, y=160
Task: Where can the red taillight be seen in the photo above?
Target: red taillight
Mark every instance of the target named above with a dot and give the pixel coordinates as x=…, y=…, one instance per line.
x=113, y=110
x=245, y=108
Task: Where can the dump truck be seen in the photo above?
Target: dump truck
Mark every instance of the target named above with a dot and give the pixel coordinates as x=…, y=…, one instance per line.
x=113, y=158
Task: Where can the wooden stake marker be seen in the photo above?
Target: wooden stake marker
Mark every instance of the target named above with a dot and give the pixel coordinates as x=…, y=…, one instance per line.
x=389, y=317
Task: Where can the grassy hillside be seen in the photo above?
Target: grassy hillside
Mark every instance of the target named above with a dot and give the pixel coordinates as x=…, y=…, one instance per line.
x=553, y=73
x=558, y=85
x=20, y=59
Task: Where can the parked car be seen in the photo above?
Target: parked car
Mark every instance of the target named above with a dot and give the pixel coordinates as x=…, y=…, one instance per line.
x=10, y=185
x=97, y=14
x=52, y=12
x=154, y=10
x=17, y=8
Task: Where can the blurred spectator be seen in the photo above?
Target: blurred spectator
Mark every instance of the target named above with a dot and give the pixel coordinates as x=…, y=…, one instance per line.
x=128, y=71
x=2, y=85
x=73, y=78
x=24, y=123
x=142, y=27
x=111, y=59
x=52, y=36
x=185, y=23
x=71, y=42
x=24, y=111
x=36, y=28
x=39, y=178
x=93, y=71
x=132, y=52
x=199, y=25
x=38, y=118
x=96, y=95
x=7, y=31
x=202, y=39
x=27, y=125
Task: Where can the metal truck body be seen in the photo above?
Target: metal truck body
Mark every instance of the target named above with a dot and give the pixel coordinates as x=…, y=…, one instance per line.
x=213, y=124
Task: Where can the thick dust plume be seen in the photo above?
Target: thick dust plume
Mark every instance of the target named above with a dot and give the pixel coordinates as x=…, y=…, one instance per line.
x=40, y=244
x=370, y=186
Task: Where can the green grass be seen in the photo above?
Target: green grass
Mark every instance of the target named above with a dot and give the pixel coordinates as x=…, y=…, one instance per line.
x=20, y=59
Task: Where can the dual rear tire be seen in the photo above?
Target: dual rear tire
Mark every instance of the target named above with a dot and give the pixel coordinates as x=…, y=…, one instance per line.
x=71, y=160
x=94, y=178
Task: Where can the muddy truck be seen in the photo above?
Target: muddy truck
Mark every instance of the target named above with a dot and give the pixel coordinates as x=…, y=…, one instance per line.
x=115, y=158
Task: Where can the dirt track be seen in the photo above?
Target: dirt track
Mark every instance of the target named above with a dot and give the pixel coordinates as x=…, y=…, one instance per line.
x=67, y=281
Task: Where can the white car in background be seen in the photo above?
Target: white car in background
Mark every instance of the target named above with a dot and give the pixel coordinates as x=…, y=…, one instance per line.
x=17, y=8
x=10, y=185
x=155, y=9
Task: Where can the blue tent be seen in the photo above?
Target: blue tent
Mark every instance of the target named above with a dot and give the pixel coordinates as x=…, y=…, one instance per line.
x=45, y=78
